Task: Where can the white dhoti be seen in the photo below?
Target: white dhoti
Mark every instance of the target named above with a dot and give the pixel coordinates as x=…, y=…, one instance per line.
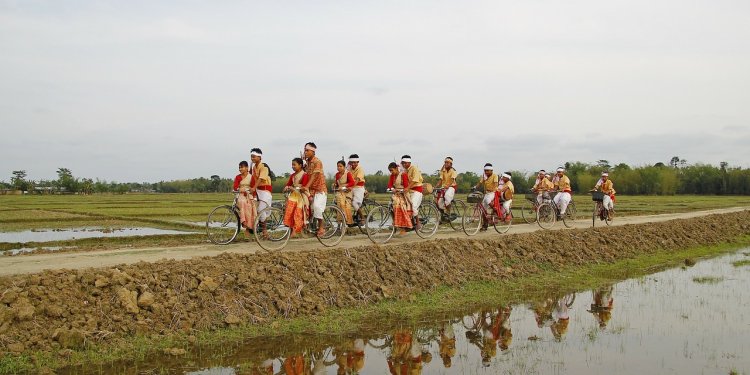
x=447, y=198
x=319, y=205
x=416, y=201
x=264, y=201
x=487, y=201
x=562, y=199
x=358, y=195
x=608, y=203
x=506, y=206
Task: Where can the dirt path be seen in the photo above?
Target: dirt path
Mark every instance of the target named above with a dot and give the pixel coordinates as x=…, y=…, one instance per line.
x=76, y=260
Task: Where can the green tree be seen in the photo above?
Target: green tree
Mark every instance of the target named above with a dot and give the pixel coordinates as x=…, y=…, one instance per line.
x=66, y=180
x=19, y=180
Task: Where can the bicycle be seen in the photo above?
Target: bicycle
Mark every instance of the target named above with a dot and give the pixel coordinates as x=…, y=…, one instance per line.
x=455, y=212
x=548, y=212
x=380, y=226
x=472, y=222
x=367, y=206
x=530, y=206
x=223, y=222
x=600, y=211
x=276, y=234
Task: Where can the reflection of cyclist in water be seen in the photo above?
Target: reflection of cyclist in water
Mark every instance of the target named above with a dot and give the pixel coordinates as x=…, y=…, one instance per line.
x=602, y=305
x=501, y=328
x=543, y=312
x=447, y=344
x=350, y=357
x=560, y=315
x=406, y=354
x=265, y=368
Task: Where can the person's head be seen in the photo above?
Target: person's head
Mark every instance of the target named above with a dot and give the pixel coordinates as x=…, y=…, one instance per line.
x=560, y=171
x=354, y=160
x=605, y=175
x=393, y=168
x=297, y=164
x=548, y=176
x=310, y=149
x=488, y=169
x=542, y=172
x=448, y=163
x=506, y=176
x=406, y=161
x=243, y=166
x=255, y=155
x=426, y=357
x=447, y=361
x=340, y=166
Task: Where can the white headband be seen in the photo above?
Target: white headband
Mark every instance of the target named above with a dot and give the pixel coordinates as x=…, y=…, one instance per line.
x=605, y=174
x=449, y=160
x=506, y=176
x=406, y=160
x=311, y=148
x=489, y=168
x=560, y=169
x=353, y=159
x=254, y=153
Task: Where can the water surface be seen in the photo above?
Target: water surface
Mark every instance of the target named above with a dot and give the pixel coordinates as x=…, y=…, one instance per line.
x=46, y=235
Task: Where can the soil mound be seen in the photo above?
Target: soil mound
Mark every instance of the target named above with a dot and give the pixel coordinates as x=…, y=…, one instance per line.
x=64, y=309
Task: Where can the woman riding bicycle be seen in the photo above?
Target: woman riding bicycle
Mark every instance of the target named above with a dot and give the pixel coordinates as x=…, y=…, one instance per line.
x=402, y=207
x=342, y=185
x=298, y=202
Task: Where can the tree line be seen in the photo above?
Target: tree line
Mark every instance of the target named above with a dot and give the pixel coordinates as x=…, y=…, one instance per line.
x=675, y=177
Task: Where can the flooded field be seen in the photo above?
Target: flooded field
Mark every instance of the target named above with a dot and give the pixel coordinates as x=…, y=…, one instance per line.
x=48, y=235
x=688, y=320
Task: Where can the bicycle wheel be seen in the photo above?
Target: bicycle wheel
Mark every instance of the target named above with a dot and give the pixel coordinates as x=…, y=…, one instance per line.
x=503, y=225
x=366, y=208
x=546, y=216
x=379, y=225
x=472, y=220
x=335, y=226
x=429, y=218
x=607, y=217
x=222, y=225
x=528, y=213
x=456, y=215
x=272, y=234
x=570, y=215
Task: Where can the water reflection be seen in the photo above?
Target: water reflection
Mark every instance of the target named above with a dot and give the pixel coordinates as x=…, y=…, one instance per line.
x=665, y=324
x=46, y=235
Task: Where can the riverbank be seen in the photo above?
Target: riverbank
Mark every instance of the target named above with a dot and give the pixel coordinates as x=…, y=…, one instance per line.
x=63, y=312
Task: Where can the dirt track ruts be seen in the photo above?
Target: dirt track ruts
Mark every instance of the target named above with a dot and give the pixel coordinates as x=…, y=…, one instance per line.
x=10, y=265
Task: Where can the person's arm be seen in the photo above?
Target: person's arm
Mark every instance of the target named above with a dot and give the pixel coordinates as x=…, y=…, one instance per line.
x=391, y=181
x=237, y=180
x=349, y=180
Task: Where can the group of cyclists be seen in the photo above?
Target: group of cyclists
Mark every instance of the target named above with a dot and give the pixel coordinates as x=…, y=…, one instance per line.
x=307, y=191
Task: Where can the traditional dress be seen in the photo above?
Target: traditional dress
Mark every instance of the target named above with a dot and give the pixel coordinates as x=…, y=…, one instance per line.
x=358, y=191
x=542, y=186
x=490, y=187
x=318, y=189
x=245, y=202
x=402, y=207
x=415, y=176
x=562, y=199
x=298, y=203
x=263, y=192
x=505, y=197
x=609, y=193
x=344, y=198
x=447, y=182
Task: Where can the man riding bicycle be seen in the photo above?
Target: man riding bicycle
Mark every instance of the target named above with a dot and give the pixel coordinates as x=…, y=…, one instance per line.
x=562, y=186
x=358, y=191
x=505, y=195
x=260, y=185
x=607, y=187
x=414, y=188
x=316, y=186
x=448, y=183
x=490, y=182
x=542, y=186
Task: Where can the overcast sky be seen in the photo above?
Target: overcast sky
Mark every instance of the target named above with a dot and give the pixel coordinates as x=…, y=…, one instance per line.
x=161, y=90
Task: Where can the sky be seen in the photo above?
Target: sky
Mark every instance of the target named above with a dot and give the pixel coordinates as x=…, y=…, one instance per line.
x=144, y=91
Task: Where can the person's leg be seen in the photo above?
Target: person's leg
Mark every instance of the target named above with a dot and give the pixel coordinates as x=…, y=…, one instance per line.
x=506, y=208
x=319, y=205
x=416, y=201
x=358, y=196
x=564, y=201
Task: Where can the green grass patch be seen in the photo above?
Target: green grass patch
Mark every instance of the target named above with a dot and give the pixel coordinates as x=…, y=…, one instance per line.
x=741, y=263
x=708, y=279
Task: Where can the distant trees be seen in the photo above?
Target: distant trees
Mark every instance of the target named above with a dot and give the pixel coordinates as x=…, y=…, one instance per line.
x=18, y=181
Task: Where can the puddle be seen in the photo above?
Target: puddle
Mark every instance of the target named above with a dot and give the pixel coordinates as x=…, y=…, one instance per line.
x=46, y=235
x=664, y=323
x=30, y=249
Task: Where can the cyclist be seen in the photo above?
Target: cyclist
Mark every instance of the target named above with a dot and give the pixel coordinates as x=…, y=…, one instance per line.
x=344, y=182
x=260, y=184
x=505, y=195
x=402, y=207
x=490, y=183
x=245, y=201
x=448, y=182
x=414, y=188
x=298, y=203
x=542, y=186
x=609, y=192
x=316, y=186
x=358, y=191
x=562, y=185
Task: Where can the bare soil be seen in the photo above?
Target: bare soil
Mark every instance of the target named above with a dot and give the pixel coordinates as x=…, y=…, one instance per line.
x=64, y=308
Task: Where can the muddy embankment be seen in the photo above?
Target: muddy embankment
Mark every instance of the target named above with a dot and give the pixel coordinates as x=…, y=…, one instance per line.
x=64, y=309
